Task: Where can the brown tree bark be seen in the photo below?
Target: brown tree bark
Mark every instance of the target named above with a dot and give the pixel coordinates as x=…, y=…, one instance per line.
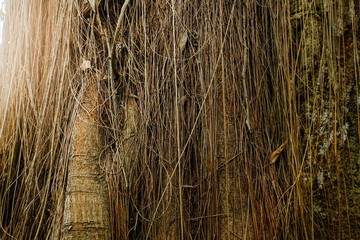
x=86, y=214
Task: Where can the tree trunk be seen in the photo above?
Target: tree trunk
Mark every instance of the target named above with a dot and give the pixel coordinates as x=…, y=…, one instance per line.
x=86, y=214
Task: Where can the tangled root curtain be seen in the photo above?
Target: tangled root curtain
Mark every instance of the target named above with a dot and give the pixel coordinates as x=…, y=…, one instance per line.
x=175, y=119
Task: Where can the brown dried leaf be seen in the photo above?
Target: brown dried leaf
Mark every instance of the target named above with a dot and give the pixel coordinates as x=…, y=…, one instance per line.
x=275, y=155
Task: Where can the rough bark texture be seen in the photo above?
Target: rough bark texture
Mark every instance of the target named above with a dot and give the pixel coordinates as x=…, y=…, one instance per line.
x=326, y=32
x=86, y=214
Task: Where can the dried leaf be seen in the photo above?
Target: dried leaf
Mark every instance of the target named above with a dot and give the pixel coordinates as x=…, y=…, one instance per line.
x=86, y=64
x=183, y=41
x=275, y=155
x=93, y=4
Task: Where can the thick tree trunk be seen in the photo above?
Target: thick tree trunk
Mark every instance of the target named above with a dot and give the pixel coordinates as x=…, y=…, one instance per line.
x=86, y=214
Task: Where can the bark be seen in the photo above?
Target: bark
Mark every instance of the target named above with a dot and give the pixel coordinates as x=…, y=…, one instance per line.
x=234, y=201
x=166, y=226
x=129, y=150
x=86, y=214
